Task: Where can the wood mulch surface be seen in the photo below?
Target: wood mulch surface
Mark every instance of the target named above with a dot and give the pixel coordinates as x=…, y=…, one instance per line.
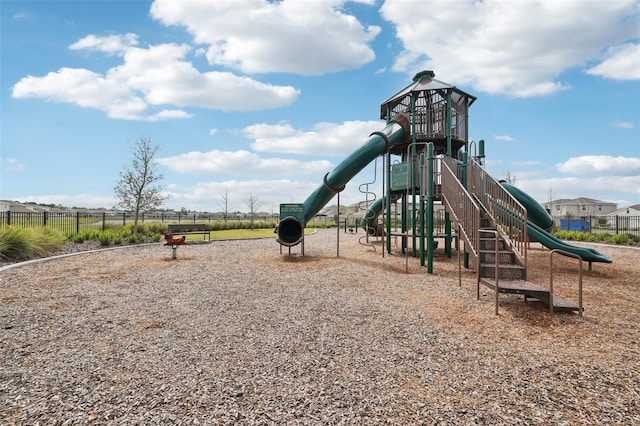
x=233, y=332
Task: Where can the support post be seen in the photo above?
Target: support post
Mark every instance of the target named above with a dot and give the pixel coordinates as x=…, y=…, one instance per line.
x=430, y=168
x=338, y=229
x=448, y=238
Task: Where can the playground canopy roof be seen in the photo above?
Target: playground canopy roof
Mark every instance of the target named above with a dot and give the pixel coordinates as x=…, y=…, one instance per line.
x=423, y=83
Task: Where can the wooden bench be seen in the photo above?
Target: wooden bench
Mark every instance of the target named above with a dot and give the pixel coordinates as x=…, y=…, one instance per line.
x=190, y=228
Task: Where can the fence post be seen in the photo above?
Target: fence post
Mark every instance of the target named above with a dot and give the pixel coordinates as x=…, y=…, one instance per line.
x=44, y=218
x=124, y=218
x=8, y=217
x=77, y=222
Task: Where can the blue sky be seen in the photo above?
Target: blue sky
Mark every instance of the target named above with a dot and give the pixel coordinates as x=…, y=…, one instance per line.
x=262, y=98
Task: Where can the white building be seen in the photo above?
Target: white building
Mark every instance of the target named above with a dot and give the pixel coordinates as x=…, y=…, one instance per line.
x=579, y=208
x=624, y=218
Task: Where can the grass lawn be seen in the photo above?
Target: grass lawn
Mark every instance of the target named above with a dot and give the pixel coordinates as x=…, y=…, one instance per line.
x=229, y=234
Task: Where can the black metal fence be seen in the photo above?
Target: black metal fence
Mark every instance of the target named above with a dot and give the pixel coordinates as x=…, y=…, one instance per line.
x=70, y=223
x=611, y=225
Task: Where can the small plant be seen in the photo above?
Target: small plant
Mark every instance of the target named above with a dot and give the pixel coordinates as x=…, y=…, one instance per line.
x=85, y=235
x=135, y=238
x=106, y=238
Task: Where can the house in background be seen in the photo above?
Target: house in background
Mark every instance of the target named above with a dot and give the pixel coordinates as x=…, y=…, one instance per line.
x=579, y=208
x=14, y=207
x=624, y=218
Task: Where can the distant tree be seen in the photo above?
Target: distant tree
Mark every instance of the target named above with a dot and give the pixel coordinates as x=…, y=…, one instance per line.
x=138, y=188
x=225, y=204
x=510, y=178
x=253, y=204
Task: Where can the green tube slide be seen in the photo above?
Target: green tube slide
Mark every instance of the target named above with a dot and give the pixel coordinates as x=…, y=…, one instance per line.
x=370, y=218
x=552, y=243
x=539, y=220
x=535, y=212
x=290, y=229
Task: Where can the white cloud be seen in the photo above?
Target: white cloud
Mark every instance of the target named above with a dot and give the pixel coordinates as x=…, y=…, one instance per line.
x=621, y=63
x=602, y=165
x=323, y=139
x=91, y=201
x=83, y=88
x=513, y=48
x=168, y=114
x=304, y=37
x=624, y=189
x=206, y=196
x=504, y=138
x=149, y=77
x=235, y=163
x=20, y=16
x=12, y=165
x=112, y=44
x=493, y=163
x=212, y=131
x=623, y=124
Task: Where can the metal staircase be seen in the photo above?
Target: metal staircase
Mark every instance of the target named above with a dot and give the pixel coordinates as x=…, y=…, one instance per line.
x=493, y=226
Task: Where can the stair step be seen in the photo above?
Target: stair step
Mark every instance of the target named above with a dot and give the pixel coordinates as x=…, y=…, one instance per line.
x=502, y=266
x=505, y=272
x=514, y=286
x=530, y=291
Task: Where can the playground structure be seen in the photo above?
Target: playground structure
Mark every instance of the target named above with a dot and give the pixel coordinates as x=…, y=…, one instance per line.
x=428, y=158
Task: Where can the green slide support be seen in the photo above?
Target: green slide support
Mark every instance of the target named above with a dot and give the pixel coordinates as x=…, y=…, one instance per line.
x=290, y=229
x=540, y=220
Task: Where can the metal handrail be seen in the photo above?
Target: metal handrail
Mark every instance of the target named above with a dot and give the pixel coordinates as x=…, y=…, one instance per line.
x=461, y=205
x=564, y=253
x=508, y=214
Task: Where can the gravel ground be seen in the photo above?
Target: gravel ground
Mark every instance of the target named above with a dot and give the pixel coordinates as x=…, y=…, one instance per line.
x=233, y=332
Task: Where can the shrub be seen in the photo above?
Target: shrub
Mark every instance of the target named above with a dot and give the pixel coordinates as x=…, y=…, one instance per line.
x=85, y=235
x=620, y=239
x=18, y=243
x=155, y=228
x=135, y=238
x=106, y=237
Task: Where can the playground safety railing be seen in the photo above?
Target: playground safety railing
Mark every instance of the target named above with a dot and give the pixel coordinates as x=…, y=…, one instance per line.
x=461, y=205
x=509, y=215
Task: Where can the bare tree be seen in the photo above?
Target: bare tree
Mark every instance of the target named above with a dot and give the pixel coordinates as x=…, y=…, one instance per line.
x=253, y=204
x=226, y=204
x=138, y=188
x=510, y=178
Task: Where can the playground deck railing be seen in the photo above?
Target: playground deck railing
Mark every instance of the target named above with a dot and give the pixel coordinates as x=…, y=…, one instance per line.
x=461, y=205
x=510, y=217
